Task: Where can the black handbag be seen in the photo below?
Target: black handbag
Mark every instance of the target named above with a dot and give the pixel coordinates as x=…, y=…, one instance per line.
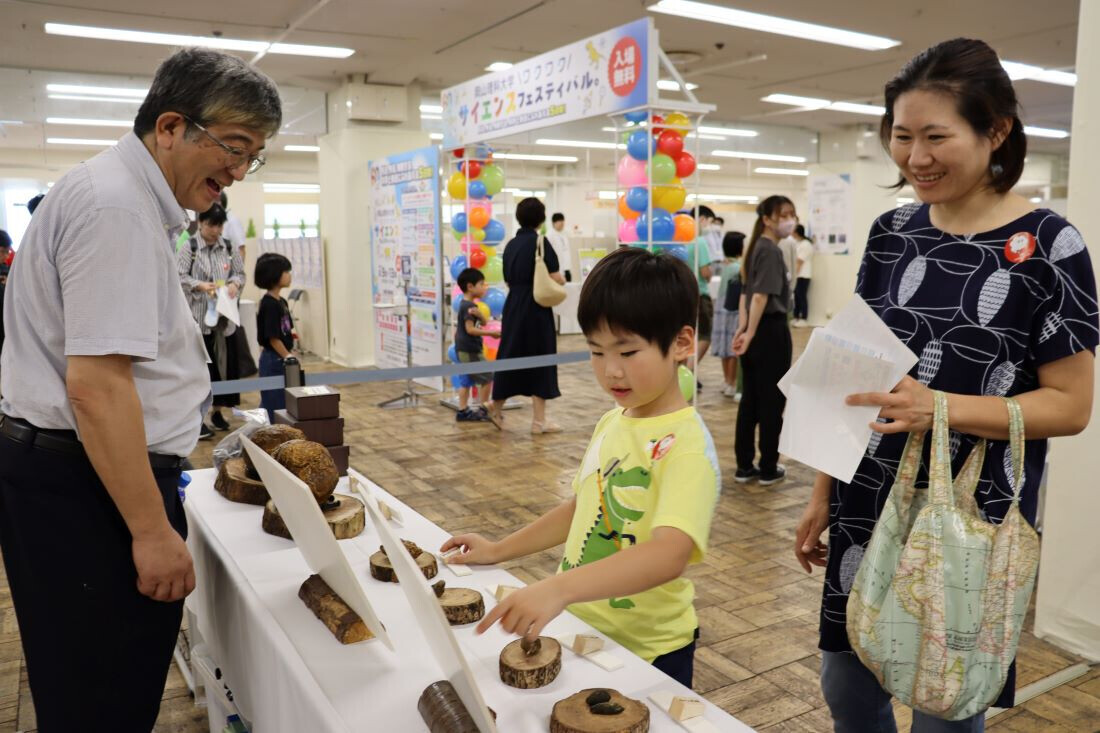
x=733, y=294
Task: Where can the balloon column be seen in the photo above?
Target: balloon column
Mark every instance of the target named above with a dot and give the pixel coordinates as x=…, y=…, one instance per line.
x=651, y=175
x=474, y=181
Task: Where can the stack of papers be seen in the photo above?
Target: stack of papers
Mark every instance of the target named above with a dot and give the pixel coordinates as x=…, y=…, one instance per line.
x=855, y=352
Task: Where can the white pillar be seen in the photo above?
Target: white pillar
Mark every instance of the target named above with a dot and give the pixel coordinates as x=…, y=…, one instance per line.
x=1066, y=609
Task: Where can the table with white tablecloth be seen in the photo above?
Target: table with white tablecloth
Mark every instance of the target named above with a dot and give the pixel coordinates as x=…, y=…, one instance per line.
x=288, y=673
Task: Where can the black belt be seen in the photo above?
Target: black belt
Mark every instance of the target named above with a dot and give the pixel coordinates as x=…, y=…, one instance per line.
x=65, y=441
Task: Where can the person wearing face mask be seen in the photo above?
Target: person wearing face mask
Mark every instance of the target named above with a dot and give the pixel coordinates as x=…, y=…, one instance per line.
x=104, y=379
x=998, y=299
x=763, y=342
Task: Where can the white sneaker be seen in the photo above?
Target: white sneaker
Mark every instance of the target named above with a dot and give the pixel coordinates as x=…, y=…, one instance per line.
x=737, y=397
x=729, y=390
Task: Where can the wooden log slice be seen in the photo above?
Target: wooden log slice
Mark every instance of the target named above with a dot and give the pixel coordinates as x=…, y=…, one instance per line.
x=443, y=711
x=462, y=605
x=573, y=715
x=234, y=483
x=382, y=569
x=344, y=623
x=346, y=518
x=528, y=671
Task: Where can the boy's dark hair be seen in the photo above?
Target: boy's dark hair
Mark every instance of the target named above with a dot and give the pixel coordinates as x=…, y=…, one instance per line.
x=5, y=239
x=558, y=216
x=733, y=244
x=269, y=270
x=213, y=216
x=969, y=72
x=633, y=290
x=530, y=213
x=469, y=277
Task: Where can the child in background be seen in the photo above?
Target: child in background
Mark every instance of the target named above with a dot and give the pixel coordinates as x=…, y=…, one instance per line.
x=646, y=489
x=468, y=345
x=726, y=311
x=274, y=326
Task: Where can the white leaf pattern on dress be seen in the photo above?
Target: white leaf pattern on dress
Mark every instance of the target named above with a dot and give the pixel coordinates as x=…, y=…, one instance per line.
x=902, y=215
x=929, y=365
x=1000, y=381
x=1066, y=244
x=911, y=279
x=993, y=295
x=872, y=446
x=849, y=565
x=1008, y=470
x=1051, y=324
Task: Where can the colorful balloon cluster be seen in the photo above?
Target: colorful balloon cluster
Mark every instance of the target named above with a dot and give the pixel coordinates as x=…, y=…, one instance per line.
x=652, y=172
x=475, y=181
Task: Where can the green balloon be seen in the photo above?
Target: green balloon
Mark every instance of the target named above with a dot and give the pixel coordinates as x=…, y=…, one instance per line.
x=493, y=178
x=687, y=382
x=662, y=169
x=457, y=234
x=493, y=269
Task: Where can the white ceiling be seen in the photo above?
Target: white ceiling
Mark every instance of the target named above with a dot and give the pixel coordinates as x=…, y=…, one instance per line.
x=442, y=42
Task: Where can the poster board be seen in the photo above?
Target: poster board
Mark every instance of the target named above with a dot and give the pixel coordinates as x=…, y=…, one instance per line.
x=831, y=200
x=405, y=238
x=306, y=258
x=589, y=259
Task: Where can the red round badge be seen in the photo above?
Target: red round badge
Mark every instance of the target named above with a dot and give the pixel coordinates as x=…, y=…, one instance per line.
x=1019, y=247
x=624, y=68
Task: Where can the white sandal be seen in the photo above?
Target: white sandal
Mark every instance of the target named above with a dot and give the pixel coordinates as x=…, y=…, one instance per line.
x=539, y=428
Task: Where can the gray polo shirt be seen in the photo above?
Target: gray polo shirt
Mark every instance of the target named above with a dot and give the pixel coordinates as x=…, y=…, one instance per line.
x=96, y=274
x=767, y=274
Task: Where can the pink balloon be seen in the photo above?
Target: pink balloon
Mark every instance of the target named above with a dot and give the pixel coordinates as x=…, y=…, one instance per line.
x=628, y=231
x=632, y=172
x=479, y=203
x=491, y=341
x=456, y=292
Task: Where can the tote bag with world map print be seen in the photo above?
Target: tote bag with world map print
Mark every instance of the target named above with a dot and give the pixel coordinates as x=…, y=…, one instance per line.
x=937, y=605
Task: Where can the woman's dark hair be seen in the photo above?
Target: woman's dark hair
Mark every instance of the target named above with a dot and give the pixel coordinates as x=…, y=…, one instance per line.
x=530, y=213
x=270, y=267
x=768, y=207
x=634, y=291
x=213, y=216
x=968, y=71
x=800, y=231
x=733, y=244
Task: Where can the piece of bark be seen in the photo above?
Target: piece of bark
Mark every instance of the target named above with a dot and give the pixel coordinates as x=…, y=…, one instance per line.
x=382, y=569
x=443, y=711
x=462, y=605
x=311, y=463
x=573, y=715
x=346, y=519
x=344, y=623
x=234, y=483
x=528, y=671
x=267, y=439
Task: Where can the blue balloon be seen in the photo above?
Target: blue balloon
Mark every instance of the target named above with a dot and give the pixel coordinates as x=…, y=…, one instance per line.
x=456, y=304
x=476, y=190
x=636, y=145
x=637, y=198
x=663, y=226
x=495, y=300
x=452, y=354
x=637, y=115
x=494, y=232
x=458, y=222
x=678, y=251
x=458, y=264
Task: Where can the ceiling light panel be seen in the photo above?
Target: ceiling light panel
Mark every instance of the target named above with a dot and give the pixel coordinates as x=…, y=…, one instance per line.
x=758, y=156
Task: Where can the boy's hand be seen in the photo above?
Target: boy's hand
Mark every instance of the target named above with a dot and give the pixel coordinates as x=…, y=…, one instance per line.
x=527, y=611
x=478, y=550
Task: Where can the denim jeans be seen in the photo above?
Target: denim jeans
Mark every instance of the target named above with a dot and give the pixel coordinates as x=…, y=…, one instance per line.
x=859, y=704
x=271, y=365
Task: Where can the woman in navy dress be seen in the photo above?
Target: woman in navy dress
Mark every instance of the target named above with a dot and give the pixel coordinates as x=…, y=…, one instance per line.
x=996, y=297
x=527, y=329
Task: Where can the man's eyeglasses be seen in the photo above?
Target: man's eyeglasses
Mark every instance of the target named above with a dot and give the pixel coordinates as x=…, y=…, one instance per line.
x=237, y=156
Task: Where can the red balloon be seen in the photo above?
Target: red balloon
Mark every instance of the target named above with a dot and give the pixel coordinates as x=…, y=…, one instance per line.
x=657, y=119
x=472, y=169
x=685, y=164
x=670, y=143
x=478, y=257
x=458, y=152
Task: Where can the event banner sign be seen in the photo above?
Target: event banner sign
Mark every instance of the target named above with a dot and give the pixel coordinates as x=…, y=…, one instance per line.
x=609, y=72
x=405, y=244
x=830, y=199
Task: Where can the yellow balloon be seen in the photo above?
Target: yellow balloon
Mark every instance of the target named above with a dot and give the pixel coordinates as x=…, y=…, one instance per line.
x=679, y=122
x=456, y=186
x=669, y=196
x=489, y=251
x=477, y=234
x=484, y=308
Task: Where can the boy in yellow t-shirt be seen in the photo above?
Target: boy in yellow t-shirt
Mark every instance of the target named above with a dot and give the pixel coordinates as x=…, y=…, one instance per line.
x=647, y=487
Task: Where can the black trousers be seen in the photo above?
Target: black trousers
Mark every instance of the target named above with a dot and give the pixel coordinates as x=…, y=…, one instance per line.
x=97, y=651
x=679, y=664
x=801, y=302
x=762, y=366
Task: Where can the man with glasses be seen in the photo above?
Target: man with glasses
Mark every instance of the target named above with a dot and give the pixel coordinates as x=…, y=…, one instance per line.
x=104, y=381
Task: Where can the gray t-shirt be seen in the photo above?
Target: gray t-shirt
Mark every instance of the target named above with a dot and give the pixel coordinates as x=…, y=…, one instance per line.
x=96, y=275
x=767, y=274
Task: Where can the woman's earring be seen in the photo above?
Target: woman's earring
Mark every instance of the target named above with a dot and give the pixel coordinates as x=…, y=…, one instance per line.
x=996, y=169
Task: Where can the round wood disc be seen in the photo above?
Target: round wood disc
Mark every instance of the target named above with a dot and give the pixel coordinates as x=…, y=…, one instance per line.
x=382, y=569
x=234, y=483
x=526, y=672
x=462, y=605
x=346, y=519
x=572, y=715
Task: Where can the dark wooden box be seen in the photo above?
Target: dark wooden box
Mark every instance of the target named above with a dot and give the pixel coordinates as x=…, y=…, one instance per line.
x=312, y=403
x=340, y=455
x=326, y=432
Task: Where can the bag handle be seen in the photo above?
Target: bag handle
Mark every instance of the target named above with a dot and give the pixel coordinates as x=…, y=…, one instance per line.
x=1016, y=445
x=538, y=248
x=939, y=469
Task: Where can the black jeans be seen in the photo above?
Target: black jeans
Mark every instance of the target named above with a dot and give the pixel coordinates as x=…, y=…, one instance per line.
x=762, y=366
x=679, y=664
x=97, y=651
x=801, y=302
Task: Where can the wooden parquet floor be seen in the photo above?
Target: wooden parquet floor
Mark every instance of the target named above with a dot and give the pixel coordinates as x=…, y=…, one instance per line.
x=758, y=656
